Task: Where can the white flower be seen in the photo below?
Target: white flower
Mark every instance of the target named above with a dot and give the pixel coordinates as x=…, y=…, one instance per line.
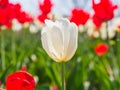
x=33, y=29
x=16, y=25
x=107, y=32
x=59, y=39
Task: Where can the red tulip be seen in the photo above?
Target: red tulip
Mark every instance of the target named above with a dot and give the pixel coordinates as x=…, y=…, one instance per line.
x=79, y=16
x=23, y=17
x=4, y=18
x=104, y=11
x=20, y=80
x=46, y=6
x=13, y=10
x=101, y=49
x=42, y=17
x=3, y=3
x=10, y=12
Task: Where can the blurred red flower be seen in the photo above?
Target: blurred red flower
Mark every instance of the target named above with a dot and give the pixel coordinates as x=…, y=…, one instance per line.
x=15, y=12
x=101, y=49
x=79, y=16
x=54, y=87
x=12, y=11
x=24, y=68
x=118, y=26
x=104, y=11
x=45, y=9
x=20, y=80
x=46, y=6
x=4, y=18
x=1, y=89
x=42, y=17
x=23, y=17
x=3, y=3
x=118, y=29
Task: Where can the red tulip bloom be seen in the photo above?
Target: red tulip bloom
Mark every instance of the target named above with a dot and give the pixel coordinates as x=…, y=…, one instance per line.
x=104, y=11
x=46, y=6
x=101, y=49
x=4, y=18
x=15, y=12
x=12, y=11
x=24, y=17
x=3, y=3
x=79, y=16
x=20, y=80
x=42, y=17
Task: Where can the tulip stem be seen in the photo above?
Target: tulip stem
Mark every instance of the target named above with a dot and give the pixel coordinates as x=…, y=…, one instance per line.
x=107, y=30
x=63, y=85
x=13, y=47
x=3, y=51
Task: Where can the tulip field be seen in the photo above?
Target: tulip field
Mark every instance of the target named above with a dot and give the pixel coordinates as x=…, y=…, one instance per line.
x=76, y=52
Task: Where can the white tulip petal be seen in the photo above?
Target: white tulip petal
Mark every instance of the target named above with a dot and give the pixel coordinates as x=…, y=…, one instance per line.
x=72, y=41
x=66, y=39
x=44, y=30
x=49, y=23
x=64, y=26
x=46, y=45
x=62, y=23
x=56, y=40
x=53, y=38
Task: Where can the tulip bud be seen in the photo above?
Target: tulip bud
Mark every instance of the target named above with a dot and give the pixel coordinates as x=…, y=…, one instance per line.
x=59, y=39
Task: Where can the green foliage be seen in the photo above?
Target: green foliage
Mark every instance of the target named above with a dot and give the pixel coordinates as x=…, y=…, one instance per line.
x=86, y=70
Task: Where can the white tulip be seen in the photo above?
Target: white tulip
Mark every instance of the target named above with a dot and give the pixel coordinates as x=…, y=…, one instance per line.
x=59, y=39
x=16, y=26
x=33, y=29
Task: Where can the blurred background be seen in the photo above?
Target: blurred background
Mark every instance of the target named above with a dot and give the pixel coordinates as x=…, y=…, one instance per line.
x=60, y=8
x=96, y=63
